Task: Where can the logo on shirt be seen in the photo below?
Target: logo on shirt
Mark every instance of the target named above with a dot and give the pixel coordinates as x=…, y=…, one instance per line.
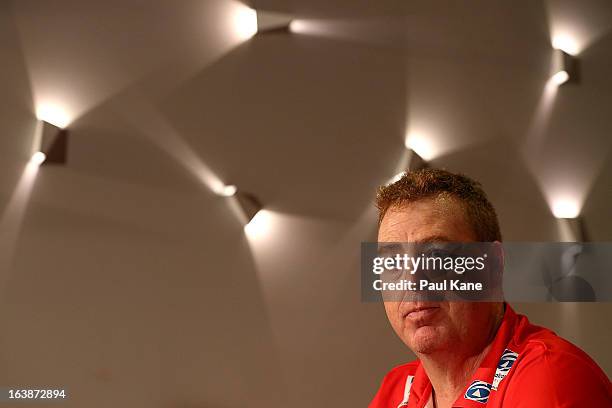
x=503, y=367
x=409, y=381
x=478, y=391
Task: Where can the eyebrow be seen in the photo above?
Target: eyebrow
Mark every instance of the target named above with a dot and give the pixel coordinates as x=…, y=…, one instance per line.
x=434, y=238
x=388, y=246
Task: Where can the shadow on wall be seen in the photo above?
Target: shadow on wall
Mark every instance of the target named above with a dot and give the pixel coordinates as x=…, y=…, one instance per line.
x=274, y=98
x=83, y=61
x=149, y=307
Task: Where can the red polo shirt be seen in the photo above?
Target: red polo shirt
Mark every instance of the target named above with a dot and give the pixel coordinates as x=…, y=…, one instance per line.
x=527, y=366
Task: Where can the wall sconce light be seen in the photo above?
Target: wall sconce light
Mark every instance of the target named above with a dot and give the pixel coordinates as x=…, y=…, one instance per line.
x=273, y=22
x=248, y=22
x=248, y=209
x=572, y=229
x=415, y=162
x=565, y=68
x=566, y=209
x=53, y=147
x=249, y=205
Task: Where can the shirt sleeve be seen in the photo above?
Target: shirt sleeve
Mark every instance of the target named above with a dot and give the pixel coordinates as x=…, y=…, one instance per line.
x=558, y=380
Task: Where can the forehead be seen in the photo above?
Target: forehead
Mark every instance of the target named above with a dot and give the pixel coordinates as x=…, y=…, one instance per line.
x=439, y=218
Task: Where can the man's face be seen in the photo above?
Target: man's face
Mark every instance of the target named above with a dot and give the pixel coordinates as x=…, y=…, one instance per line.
x=425, y=326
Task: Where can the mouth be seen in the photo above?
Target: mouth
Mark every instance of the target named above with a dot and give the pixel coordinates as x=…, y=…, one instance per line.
x=420, y=312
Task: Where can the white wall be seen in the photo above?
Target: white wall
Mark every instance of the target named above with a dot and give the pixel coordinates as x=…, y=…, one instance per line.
x=131, y=284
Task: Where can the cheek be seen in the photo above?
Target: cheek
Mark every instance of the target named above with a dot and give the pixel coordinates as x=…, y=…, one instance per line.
x=392, y=310
x=463, y=315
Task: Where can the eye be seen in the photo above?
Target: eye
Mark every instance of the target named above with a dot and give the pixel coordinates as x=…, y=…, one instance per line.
x=392, y=275
x=437, y=253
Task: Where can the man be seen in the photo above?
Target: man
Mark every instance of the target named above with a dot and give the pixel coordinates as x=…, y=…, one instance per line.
x=471, y=354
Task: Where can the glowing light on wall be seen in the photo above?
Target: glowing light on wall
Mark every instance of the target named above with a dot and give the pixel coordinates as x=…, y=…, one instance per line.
x=259, y=224
x=396, y=178
x=38, y=158
x=54, y=115
x=566, y=44
x=313, y=27
x=227, y=190
x=560, y=78
x=12, y=219
x=297, y=26
x=565, y=208
x=245, y=22
x=421, y=145
x=350, y=29
x=574, y=25
x=536, y=132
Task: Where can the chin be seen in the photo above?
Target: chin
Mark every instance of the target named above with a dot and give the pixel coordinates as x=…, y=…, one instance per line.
x=426, y=340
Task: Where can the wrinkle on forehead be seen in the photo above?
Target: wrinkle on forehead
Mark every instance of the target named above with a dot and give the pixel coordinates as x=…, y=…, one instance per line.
x=426, y=219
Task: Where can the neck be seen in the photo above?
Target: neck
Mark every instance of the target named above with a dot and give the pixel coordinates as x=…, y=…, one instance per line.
x=450, y=370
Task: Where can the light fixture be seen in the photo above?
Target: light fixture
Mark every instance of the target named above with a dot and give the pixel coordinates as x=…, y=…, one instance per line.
x=565, y=68
x=570, y=224
x=52, y=144
x=249, y=22
x=246, y=206
x=414, y=162
x=270, y=21
x=572, y=229
x=249, y=205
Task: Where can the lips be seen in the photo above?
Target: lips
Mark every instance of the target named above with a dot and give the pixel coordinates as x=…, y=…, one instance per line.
x=418, y=312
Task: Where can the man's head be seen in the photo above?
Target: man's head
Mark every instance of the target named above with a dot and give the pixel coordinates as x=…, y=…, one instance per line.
x=433, y=205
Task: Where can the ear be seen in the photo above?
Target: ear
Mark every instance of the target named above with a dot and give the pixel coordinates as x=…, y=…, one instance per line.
x=499, y=252
x=498, y=249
